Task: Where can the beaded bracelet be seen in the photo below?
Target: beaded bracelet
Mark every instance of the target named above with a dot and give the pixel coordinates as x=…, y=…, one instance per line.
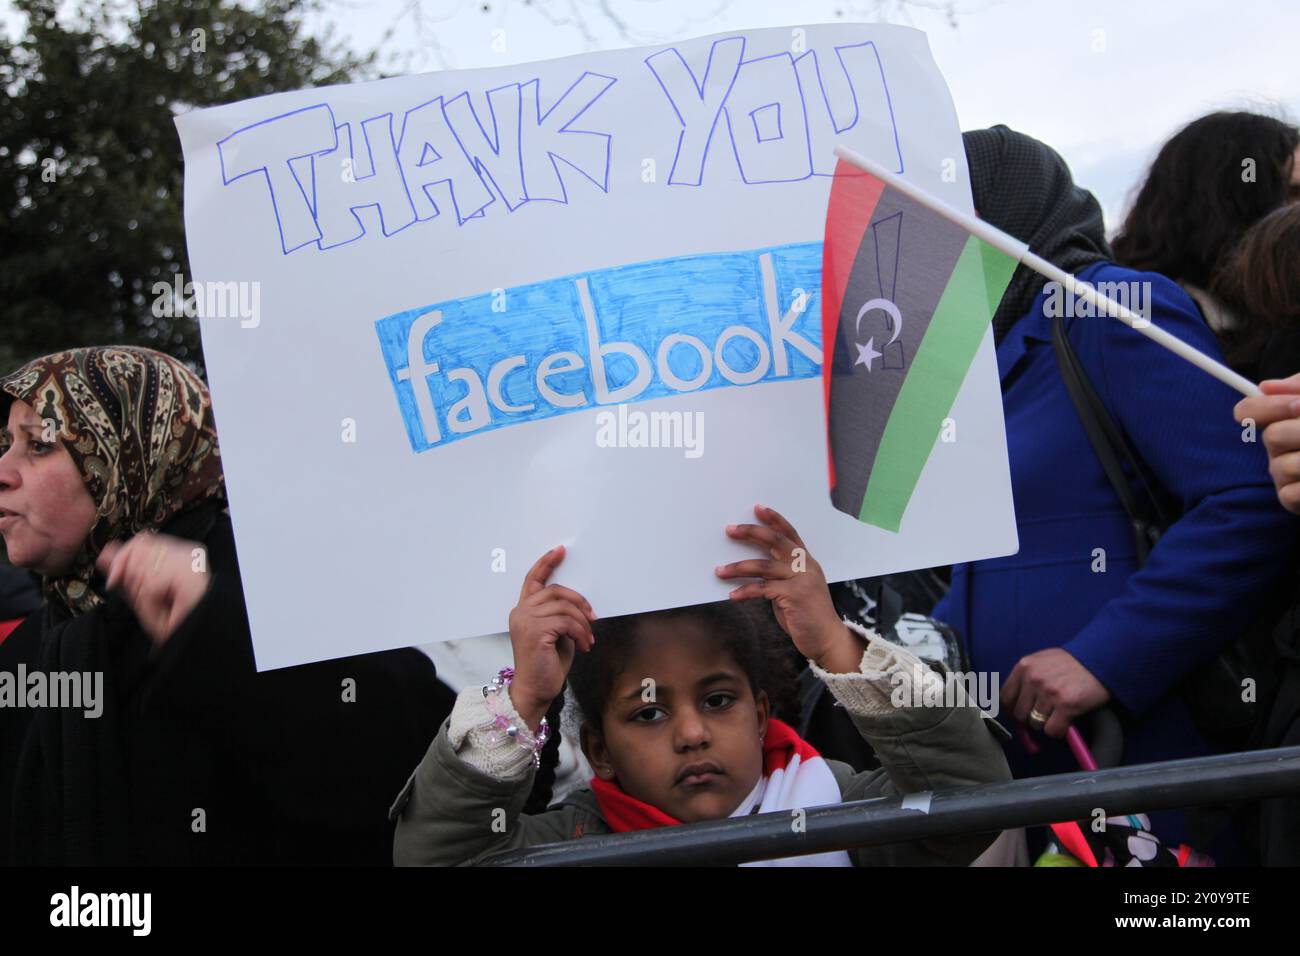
x=520, y=735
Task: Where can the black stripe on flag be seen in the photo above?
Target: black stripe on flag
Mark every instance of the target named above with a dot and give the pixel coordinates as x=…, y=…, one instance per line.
x=905, y=259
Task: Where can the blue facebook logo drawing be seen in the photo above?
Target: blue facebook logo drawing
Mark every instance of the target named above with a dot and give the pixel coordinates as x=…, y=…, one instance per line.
x=626, y=334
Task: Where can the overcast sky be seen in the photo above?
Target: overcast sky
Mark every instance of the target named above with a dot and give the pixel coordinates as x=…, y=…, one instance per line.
x=1105, y=82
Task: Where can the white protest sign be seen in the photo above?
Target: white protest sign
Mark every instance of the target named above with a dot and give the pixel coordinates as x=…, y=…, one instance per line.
x=484, y=296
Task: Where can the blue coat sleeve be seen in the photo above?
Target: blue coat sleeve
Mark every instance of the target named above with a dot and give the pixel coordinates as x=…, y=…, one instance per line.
x=1211, y=572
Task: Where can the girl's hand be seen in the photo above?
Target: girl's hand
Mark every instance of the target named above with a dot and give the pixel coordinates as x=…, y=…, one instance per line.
x=161, y=577
x=1053, y=683
x=546, y=626
x=795, y=585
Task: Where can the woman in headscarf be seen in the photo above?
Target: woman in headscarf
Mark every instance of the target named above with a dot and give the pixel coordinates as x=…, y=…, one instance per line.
x=1071, y=622
x=177, y=751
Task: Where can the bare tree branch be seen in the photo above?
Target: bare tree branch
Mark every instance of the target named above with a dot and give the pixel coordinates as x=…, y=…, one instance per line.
x=597, y=22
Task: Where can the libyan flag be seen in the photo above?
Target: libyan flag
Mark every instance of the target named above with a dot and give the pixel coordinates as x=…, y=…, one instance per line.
x=907, y=297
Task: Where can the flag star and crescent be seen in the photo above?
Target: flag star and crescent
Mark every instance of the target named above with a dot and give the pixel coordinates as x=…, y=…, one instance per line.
x=867, y=353
x=886, y=256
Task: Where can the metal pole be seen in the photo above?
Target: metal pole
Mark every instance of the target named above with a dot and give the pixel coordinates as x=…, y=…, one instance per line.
x=985, y=809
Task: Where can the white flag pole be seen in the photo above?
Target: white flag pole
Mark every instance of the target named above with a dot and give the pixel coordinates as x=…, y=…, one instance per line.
x=1019, y=251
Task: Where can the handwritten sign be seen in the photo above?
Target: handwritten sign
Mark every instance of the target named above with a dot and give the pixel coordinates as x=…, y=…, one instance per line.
x=564, y=302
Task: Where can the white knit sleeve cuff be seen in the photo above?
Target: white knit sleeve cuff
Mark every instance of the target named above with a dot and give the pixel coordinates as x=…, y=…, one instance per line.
x=480, y=743
x=886, y=673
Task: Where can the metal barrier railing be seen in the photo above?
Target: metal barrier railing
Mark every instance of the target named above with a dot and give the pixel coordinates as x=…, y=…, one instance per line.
x=985, y=809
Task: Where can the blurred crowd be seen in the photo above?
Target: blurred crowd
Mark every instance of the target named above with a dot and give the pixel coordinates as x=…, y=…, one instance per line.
x=1149, y=615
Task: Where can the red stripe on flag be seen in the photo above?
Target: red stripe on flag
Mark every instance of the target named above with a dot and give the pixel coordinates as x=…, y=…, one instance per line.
x=854, y=195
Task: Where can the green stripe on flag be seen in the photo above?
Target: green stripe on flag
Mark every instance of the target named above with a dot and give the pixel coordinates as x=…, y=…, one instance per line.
x=960, y=322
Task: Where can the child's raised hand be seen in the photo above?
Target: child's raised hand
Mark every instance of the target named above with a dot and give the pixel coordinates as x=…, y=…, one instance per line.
x=546, y=626
x=796, y=586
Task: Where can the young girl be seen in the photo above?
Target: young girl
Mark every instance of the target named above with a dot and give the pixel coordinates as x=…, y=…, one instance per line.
x=677, y=724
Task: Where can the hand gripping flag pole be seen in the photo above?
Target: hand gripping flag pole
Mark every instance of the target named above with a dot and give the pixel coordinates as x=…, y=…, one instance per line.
x=1015, y=248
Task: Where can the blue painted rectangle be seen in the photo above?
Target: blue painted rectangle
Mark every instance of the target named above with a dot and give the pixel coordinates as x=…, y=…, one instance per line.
x=715, y=303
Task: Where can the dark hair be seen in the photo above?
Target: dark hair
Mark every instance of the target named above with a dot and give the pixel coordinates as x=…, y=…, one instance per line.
x=746, y=630
x=1196, y=202
x=1260, y=278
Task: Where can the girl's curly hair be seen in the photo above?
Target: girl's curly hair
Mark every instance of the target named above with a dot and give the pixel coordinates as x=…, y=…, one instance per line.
x=746, y=629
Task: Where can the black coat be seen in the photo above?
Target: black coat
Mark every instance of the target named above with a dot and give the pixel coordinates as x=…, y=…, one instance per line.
x=19, y=593
x=197, y=758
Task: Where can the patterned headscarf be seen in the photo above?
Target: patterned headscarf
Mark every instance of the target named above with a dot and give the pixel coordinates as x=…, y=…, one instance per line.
x=139, y=427
x=1025, y=188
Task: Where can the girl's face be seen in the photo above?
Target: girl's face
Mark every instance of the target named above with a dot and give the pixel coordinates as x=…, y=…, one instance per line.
x=46, y=513
x=682, y=728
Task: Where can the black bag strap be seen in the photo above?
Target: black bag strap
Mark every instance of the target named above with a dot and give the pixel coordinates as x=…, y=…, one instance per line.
x=1148, y=518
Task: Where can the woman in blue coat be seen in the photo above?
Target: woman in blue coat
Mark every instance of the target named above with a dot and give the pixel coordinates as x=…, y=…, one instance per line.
x=1070, y=622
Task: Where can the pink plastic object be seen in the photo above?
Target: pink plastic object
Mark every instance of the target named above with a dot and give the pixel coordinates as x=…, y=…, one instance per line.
x=1082, y=755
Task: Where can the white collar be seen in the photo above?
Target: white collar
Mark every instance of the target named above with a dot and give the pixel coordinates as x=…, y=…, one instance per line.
x=752, y=802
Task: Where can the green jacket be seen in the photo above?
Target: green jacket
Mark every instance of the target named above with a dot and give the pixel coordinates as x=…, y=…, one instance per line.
x=450, y=813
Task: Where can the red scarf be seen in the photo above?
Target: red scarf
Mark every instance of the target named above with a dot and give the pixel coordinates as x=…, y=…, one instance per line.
x=624, y=813
x=8, y=627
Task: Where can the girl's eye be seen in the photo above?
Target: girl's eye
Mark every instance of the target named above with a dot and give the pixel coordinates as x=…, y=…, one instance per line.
x=41, y=447
x=647, y=715
x=719, y=700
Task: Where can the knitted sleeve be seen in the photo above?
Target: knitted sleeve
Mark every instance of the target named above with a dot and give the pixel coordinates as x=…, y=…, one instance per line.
x=480, y=743
x=886, y=673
